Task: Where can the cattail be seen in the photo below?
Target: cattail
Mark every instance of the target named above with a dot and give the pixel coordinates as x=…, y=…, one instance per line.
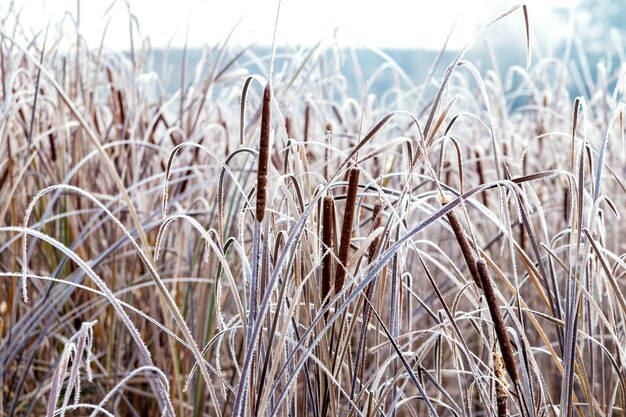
x=289, y=127
x=264, y=153
x=574, y=124
x=481, y=174
x=346, y=228
x=506, y=347
x=119, y=96
x=328, y=228
x=122, y=106
x=522, y=236
x=377, y=218
x=307, y=120
x=566, y=203
x=501, y=386
x=461, y=238
x=329, y=135
x=337, y=113
x=52, y=137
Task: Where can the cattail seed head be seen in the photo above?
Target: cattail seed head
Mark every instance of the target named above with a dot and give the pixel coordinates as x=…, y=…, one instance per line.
x=478, y=153
x=346, y=228
x=377, y=218
x=307, y=120
x=501, y=385
x=466, y=250
x=506, y=347
x=289, y=127
x=328, y=228
x=264, y=153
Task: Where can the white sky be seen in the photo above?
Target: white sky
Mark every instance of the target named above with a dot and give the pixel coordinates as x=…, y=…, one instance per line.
x=379, y=23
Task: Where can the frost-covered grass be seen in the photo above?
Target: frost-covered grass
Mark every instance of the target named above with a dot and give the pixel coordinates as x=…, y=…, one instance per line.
x=266, y=244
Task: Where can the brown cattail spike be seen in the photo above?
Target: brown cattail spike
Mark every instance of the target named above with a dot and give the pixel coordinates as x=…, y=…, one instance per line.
x=501, y=385
x=481, y=175
x=466, y=250
x=506, y=347
x=307, y=120
x=264, y=153
x=329, y=135
x=346, y=228
x=289, y=127
x=328, y=229
x=377, y=218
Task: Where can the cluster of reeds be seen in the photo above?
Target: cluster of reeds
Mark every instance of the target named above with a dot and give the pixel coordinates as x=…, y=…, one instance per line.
x=260, y=245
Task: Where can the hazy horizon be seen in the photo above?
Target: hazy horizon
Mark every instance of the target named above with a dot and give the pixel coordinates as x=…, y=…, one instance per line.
x=348, y=23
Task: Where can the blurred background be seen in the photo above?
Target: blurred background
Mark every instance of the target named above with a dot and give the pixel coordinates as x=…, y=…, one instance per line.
x=410, y=33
